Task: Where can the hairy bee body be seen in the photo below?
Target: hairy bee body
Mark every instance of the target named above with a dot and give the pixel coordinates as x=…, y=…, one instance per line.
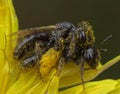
x=74, y=43
x=28, y=62
x=28, y=43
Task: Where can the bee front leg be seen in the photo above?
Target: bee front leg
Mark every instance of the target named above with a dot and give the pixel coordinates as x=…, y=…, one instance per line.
x=82, y=71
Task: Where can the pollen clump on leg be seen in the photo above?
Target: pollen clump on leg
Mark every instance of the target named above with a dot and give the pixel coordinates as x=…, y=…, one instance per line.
x=48, y=61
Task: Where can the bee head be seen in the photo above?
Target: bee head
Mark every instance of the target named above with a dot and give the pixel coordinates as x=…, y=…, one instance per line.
x=92, y=56
x=85, y=34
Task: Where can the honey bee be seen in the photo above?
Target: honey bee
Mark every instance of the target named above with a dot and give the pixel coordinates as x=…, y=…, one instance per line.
x=72, y=43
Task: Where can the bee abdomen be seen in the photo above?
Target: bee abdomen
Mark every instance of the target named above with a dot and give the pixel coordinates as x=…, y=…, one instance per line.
x=28, y=43
x=28, y=62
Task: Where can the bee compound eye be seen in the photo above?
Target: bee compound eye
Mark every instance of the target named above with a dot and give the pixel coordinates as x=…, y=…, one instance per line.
x=88, y=53
x=82, y=35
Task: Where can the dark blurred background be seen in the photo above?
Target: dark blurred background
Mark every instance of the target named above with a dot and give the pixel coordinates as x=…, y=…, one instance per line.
x=104, y=15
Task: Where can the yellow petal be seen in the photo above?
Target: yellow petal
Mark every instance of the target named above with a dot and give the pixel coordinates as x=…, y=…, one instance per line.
x=96, y=87
x=73, y=90
x=99, y=87
x=117, y=88
x=45, y=86
x=23, y=83
x=4, y=72
x=8, y=24
x=30, y=83
x=71, y=73
x=54, y=85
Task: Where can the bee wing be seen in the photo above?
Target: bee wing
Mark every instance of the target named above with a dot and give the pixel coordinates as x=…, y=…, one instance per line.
x=22, y=33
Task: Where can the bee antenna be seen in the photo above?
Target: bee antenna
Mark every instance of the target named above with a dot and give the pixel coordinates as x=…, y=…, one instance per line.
x=108, y=37
x=102, y=43
x=103, y=50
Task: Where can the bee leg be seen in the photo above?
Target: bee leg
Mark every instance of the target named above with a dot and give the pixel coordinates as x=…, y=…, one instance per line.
x=72, y=47
x=50, y=42
x=60, y=65
x=28, y=61
x=82, y=71
x=39, y=51
x=59, y=44
x=40, y=48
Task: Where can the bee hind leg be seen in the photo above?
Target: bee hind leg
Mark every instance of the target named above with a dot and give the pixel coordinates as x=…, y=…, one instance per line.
x=39, y=51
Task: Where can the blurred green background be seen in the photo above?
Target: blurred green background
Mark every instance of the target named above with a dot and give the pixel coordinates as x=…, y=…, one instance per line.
x=104, y=15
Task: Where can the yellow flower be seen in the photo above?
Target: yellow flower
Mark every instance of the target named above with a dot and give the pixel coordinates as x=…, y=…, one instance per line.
x=107, y=86
x=16, y=81
x=8, y=24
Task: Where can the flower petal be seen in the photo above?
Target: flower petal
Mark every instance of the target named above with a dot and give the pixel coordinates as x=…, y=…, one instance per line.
x=96, y=87
x=71, y=73
x=8, y=24
x=54, y=85
x=23, y=83
x=117, y=88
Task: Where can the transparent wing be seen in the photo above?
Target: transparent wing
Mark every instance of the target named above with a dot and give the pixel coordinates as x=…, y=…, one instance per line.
x=22, y=33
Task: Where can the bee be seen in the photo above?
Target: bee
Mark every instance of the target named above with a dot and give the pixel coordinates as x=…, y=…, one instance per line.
x=71, y=43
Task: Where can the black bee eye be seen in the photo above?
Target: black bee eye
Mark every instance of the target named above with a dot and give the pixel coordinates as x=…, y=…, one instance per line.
x=82, y=35
x=88, y=54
